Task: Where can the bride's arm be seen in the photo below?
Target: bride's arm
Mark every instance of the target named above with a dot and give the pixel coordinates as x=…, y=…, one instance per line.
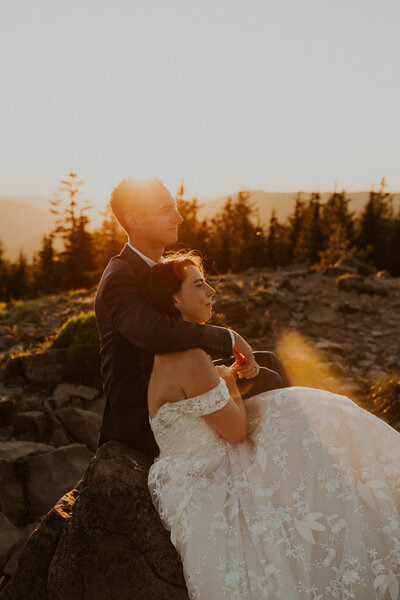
x=198, y=375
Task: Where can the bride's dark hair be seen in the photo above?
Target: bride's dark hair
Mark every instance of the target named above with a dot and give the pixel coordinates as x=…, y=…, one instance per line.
x=161, y=282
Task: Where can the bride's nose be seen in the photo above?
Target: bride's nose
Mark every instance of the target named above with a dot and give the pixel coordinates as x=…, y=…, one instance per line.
x=210, y=291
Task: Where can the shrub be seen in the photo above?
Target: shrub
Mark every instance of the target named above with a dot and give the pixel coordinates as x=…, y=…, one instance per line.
x=384, y=397
x=80, y=336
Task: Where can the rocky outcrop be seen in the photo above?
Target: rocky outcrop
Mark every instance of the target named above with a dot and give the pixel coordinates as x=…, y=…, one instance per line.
x=49, y=428
x=357, y=283
x=103, y=540
x=44, y=369
x=350, y=264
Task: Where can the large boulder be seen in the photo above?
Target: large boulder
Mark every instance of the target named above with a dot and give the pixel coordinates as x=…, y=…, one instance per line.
x=50, y=475
x=33, y=424
x=12, y=495
x=44, y=369
x=10, y=537
x=104, y=540
x=83, y=425
x=362, y=285
x=350, y=264
x=29, y=580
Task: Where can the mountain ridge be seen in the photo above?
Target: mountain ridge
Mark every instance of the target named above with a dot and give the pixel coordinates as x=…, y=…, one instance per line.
x=23, y=221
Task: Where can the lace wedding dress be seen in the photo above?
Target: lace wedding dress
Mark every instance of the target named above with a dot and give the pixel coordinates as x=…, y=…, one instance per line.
x=306, y=507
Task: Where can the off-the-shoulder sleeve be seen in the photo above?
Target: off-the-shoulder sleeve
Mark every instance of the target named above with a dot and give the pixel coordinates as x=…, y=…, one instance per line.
x=207, y=403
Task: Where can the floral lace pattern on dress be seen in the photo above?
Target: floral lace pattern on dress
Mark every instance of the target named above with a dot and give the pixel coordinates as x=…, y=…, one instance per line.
x=307, y=507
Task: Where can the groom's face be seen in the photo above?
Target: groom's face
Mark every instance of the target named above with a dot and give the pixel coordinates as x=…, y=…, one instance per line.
x=158, y=222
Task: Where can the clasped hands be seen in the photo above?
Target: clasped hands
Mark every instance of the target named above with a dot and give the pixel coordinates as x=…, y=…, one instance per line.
x=245, y=366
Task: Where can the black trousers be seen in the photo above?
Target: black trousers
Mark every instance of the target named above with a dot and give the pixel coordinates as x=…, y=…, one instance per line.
x=272, y=375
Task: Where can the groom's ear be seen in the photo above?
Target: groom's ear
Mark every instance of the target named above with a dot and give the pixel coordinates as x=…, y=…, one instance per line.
x=132, y=219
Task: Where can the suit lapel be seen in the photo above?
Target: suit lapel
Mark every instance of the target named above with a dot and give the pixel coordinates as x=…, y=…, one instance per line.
x=139, y=265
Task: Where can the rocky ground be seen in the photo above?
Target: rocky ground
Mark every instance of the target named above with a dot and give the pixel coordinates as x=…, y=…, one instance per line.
x=338, y=329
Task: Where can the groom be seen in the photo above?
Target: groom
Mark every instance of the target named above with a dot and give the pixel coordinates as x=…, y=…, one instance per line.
x=130, y=328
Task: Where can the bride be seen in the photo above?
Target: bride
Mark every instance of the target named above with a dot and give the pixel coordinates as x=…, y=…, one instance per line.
x=293, y=493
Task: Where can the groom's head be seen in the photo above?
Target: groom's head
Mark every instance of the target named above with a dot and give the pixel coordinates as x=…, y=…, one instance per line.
x=146, y=210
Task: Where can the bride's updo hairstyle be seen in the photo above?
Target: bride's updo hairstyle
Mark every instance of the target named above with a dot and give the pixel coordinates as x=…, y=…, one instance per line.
x=159, y=283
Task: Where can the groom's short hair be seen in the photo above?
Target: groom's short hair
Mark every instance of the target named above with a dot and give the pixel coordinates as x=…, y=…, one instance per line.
x=132, y=193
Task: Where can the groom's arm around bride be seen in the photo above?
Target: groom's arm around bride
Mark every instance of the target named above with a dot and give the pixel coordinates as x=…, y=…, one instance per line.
x=130, y=329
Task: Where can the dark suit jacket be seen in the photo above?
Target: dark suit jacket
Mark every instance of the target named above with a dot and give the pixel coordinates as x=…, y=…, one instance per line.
x=129, y=329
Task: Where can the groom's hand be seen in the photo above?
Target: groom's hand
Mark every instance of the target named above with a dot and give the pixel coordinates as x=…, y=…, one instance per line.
x=245, y=364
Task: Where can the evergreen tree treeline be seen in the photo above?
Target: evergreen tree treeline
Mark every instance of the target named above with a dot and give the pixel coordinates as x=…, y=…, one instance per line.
x=315, y=233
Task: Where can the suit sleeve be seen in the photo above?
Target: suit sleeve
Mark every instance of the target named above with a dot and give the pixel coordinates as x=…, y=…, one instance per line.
x=152, y=331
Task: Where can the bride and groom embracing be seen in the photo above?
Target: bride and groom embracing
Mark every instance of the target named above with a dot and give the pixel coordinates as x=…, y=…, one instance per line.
x=269, y=490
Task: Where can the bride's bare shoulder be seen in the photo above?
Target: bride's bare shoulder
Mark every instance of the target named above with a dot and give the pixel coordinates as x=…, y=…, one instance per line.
x=190, y=367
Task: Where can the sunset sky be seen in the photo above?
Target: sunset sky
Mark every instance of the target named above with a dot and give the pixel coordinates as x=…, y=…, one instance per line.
x=277, y=95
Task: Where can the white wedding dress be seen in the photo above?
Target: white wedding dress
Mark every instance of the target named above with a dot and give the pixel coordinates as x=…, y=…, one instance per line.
x=307, y=507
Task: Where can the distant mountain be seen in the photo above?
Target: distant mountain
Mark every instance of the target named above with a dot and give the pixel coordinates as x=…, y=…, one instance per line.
x=283, y=202
x=22, y=225
x=23, y=221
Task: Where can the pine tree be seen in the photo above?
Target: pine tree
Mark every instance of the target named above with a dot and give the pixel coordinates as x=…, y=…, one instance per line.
x=46, y=275
x=77, y=259
x=19, y=284
x=394, y=247
x=108, y=240
x=272, y=245
x=4, y=275
x=296, y=223
x=311, y=238
x=221, y=236
x=375, y=228
x=337, y=227
x=191, y=234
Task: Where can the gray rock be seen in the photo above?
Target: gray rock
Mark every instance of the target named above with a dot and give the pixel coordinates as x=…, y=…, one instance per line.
x=15, y=349
x=350, y=264
x=65, y=391
x=13, y=560
x=29, y=580
x=10, y=537
x=49, y=476
x=361, y=285
x=45, y=368
x=12, y=496
x=6, y=433
x=83, y=425
x=97, y=405
x=62, y=394
x=85, y=392
x=322, y=315
x=331, y=346
x=12, y=450
x=7, y=408
x=376, y=333
x=366, y=363
x=7, y=342
x=34, y=421
x=103, y=540
x=59, y=437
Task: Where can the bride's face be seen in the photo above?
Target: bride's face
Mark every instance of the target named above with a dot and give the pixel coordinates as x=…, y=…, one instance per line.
x=194, y=298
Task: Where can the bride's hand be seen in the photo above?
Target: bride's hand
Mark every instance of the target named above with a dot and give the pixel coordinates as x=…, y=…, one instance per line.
x=245, y=364
x=229, y=375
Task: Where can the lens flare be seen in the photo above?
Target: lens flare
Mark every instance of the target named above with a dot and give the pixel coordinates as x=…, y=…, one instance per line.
x=307, y=368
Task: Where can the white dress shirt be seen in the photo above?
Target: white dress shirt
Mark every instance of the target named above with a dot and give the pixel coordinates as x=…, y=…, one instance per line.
x=151, y=263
